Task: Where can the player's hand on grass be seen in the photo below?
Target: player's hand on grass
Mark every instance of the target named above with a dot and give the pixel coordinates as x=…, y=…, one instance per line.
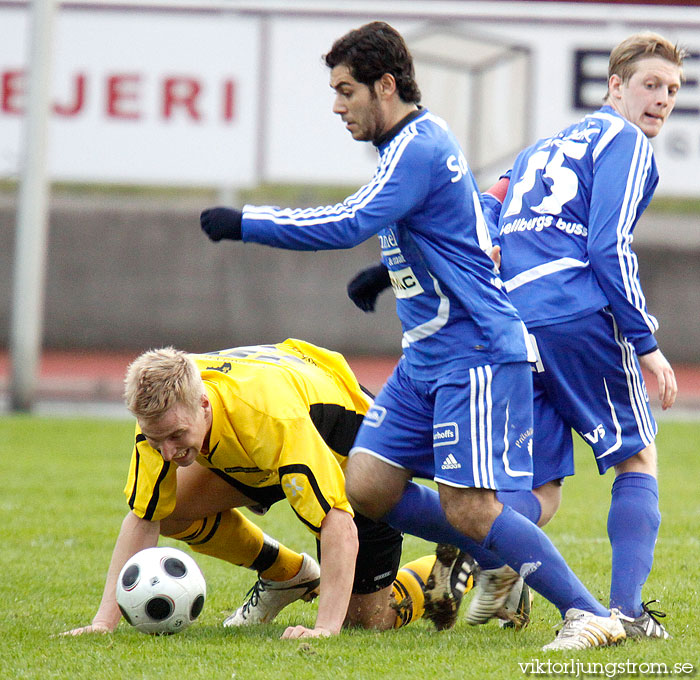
x=92, y=628
x=218, y=223
x=296, y=632
x=365, y=287
x=657, y=364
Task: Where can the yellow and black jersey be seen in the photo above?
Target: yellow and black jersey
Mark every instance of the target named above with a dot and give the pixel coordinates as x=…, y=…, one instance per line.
x=284, y=419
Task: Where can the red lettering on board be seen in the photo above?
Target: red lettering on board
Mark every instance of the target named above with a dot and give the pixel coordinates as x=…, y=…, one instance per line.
x=181, y=93
x=122, y=90
x=75, y=105
x=11, y=92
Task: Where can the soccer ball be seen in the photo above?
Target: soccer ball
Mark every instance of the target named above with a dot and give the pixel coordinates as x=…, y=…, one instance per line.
x=161, y=591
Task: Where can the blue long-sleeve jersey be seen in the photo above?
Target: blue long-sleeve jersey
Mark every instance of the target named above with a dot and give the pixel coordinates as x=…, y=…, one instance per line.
x=566, y=225
x=424, y=206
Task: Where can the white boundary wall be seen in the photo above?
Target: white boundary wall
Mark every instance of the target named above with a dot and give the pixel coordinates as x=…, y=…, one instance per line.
x=233, y=93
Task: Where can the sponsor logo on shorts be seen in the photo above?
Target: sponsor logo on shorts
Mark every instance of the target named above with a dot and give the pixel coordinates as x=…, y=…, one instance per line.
x=596, y=434
x=450, y=463
x=528, y=568
x=445, y=433
x=524, y=437
x=375, y=416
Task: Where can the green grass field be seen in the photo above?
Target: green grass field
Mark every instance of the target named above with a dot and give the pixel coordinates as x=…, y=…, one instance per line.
x=62, y=504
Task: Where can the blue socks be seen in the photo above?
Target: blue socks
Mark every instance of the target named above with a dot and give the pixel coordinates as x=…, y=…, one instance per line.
x=532, y=554
x=525, y=502
x=528, y=550
x=513, y=539
x=419, y=513
x=633, y=526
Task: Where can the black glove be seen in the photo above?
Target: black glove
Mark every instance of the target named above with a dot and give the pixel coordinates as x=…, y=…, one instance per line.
x=365, y=287
x=218, y=223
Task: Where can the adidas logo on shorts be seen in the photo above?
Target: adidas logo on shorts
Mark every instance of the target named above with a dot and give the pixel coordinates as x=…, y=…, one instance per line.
x=451, y=463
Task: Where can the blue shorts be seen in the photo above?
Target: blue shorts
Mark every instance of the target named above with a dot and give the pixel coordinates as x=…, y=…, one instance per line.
x=469, y=428
x=587, y=378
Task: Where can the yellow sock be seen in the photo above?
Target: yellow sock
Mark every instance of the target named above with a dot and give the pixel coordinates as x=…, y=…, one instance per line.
x=232, y=537
x=408, y=590
x=286, y=564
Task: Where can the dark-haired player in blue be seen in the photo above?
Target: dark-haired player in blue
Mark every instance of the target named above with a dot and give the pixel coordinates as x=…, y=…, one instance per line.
x=457, y=408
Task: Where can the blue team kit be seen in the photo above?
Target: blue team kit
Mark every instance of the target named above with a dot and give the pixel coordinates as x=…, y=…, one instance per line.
x=424, y=206
x=566, y=232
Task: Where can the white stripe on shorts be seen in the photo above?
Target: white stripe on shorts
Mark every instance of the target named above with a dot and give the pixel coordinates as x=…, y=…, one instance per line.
x=480, y=412
x=635, y=387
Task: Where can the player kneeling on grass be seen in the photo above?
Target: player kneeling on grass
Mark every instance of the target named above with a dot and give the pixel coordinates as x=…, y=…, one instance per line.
x=248, y=427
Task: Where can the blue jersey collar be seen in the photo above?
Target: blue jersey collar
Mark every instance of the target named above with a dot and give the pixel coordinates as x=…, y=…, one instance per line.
x=391, y=133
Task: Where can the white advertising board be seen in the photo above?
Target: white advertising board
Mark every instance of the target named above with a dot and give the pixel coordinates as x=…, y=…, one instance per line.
x=139, y=97
x=236, y=93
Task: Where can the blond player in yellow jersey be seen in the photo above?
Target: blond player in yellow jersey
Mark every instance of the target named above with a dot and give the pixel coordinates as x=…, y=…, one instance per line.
x=247, y=427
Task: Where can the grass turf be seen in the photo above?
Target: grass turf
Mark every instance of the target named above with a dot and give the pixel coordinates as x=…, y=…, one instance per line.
x=62, y=505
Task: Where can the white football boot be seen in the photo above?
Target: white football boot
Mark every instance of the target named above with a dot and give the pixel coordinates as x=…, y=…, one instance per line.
x=581, y=630
x=646, y=625
x=493, y=586
x=515, y=613
x=268, y=598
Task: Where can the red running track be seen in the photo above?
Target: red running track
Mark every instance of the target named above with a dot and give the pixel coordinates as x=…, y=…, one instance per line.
x=97, y=376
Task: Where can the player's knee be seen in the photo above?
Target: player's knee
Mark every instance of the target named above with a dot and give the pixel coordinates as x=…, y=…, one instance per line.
x=372, y=489
x=372, y=611
x=470, y=511
x=549, y=496
x=645, y=462
x=366, y=499
x=171, y=527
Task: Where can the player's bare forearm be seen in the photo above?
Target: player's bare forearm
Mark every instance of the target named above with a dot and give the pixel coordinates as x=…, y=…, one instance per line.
x=135, y=534
x=657, y=364
x=339, y=545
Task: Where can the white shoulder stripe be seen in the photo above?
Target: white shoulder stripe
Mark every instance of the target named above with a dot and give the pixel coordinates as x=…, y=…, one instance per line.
x=341, y=211
x=616, y=125
x=435, y=119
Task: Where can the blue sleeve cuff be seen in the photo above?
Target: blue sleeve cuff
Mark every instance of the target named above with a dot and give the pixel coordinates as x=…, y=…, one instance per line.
x=645, y=345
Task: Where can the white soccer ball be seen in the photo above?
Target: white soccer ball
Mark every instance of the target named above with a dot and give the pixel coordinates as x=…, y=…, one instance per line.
x=161, y=591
